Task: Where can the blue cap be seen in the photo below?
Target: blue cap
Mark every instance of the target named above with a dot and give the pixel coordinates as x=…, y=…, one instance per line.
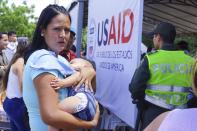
x=72, y=30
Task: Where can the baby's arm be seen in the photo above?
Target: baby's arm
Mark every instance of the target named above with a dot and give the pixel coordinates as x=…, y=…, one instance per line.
x=67, y=82
x=74, y=79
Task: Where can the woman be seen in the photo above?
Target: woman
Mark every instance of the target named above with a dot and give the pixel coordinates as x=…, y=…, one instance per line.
x=178, y=119
x=12, y=84
x=43, y=63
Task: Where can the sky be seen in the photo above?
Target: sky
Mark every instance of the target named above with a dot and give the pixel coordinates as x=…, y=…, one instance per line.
x=40, y=4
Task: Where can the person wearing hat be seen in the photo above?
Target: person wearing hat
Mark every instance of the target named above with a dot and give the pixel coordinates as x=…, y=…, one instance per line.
x=163, y=80
x=67, y=52
x=178, y=119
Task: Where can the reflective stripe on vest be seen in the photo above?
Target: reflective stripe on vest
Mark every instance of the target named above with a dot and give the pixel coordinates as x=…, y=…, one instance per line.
x=168, y=97
x=169, y=88
x=163, y=104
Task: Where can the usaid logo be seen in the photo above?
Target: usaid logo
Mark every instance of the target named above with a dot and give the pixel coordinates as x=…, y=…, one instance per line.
x=118, y=29
x=91, y=38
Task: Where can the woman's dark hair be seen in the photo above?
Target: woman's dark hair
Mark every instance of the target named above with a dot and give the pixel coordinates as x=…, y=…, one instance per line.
x=21, y=48
x=2, y=33
x=45, y=18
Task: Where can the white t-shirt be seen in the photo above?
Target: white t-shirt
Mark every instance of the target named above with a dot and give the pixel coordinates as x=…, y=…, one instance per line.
x=13, y=90
x=10, y=50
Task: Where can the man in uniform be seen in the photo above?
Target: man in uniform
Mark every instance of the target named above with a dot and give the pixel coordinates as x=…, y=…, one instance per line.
x=163, y=80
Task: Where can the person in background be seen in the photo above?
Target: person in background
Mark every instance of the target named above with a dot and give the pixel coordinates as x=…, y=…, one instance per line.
x=12, y=45
x=83, y=53
x=13, y=104
x=67, y=53
x=73, y=48
x=178, y=119
x=43, y=64
x=3, y=58
x=183, y=45
x=163, y=80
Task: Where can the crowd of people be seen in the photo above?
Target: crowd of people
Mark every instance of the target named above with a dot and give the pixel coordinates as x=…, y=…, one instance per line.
x=45, y=87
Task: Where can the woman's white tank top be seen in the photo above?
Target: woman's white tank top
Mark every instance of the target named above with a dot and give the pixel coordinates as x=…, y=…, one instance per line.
x=13, y=86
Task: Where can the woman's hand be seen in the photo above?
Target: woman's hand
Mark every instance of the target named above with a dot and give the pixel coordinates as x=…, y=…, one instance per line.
x=87, y=74
x=78, y=63
x=95, y=120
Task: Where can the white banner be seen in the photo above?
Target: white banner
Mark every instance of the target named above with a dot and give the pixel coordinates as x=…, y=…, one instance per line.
x=114, y=38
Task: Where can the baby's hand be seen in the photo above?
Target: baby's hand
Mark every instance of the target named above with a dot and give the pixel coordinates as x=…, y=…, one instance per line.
x=57, y=83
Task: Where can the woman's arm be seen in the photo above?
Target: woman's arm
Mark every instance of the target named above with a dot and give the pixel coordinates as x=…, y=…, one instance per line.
x=50, y=113
x=18, y=67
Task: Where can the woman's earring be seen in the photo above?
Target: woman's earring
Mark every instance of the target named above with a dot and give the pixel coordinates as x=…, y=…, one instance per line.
x=42, y=34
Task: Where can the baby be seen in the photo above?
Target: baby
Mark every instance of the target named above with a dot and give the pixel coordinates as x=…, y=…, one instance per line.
x=81, y=102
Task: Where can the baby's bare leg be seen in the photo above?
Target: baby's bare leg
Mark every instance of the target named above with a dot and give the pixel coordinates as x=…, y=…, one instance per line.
x=68, y=105
x=73, y=104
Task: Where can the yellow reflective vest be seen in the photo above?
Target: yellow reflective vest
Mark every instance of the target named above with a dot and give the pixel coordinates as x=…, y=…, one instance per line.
x=170, y=79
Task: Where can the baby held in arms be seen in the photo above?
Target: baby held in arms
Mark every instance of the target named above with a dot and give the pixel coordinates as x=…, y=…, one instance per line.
x=80, y=101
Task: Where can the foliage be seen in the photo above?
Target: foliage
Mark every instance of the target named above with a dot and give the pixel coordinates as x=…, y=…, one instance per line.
x=84, y=38
x=147, y=41
x=17, y=18
x=191, y=40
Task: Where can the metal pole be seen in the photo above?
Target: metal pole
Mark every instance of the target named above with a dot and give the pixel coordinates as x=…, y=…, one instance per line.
x=79, y=26
x=56, y=1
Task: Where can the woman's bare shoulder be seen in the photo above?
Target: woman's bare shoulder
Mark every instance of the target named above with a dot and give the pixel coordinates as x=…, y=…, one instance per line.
x=18, y=65
x=155, y=124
